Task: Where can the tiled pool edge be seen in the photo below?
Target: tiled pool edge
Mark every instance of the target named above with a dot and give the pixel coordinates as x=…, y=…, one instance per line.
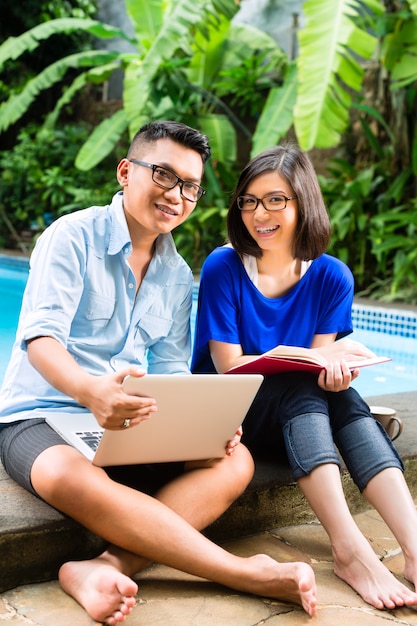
x=390, y=319
x=385, y=320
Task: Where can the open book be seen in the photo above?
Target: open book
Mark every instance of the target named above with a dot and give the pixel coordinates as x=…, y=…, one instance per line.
x=291, y=359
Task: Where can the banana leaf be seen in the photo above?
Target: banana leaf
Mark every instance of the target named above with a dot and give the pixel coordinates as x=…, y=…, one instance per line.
x=17, y=105
x=14, y=47
x=277, y=114
x=331, y=46
x=102, y=141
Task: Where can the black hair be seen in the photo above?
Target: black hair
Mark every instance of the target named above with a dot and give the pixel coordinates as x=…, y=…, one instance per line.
x=294, y=166
x=176, y=131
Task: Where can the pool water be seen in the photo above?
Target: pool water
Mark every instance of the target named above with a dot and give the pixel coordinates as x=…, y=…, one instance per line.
x=388, y=332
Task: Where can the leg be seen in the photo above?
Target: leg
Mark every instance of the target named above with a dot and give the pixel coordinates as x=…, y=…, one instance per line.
x=377, y=469
x=199, y=496
x=354, y=560
x=389, y=494
x=309, y=440
x=142, y=526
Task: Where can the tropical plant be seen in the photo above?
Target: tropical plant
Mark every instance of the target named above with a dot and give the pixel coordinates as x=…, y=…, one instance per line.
x=185, y=64
x=39, y=182
x=179, y=52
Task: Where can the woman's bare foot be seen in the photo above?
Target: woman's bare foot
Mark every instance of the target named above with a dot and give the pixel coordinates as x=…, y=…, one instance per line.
x=102, y=590
x=365, y=573
x=291, y=582
x=410, y=568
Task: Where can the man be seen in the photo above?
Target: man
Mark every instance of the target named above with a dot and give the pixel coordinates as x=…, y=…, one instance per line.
x=107, y=288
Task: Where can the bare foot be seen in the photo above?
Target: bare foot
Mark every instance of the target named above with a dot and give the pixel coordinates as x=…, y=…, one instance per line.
x=291, y=582
x=102, y=590
x=410, y=569
x=373, y=581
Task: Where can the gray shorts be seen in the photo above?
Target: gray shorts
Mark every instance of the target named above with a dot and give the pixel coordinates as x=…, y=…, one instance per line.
x=22, y=442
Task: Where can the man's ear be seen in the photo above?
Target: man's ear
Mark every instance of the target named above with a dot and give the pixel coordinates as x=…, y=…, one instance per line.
x=123, y=172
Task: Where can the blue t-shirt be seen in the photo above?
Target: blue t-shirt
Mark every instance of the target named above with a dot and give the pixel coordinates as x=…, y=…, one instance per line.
x=231, y=309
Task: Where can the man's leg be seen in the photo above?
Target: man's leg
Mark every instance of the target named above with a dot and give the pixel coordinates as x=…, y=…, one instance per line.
x=142, y=526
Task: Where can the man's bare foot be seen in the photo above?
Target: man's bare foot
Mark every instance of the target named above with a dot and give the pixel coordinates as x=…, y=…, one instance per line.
x=102, y=590
x=291, y=582
x=373, y=581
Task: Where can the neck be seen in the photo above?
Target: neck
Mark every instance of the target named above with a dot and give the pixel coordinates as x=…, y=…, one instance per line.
x=277, y=273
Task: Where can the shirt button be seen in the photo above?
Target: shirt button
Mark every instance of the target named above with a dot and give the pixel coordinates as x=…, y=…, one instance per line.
x=130, y=285
x=126, y=251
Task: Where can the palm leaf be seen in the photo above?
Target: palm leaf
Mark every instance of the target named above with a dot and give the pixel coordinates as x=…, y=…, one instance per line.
x=146, y=17
x=221, y=135
x=401, y=54
x=413, y=6
x=14, y=47
x=328, y=69
x=181, y=20
x=16, y=106
x=208, y=57
x=99, y=74
x=277, y=114
x=102, y=141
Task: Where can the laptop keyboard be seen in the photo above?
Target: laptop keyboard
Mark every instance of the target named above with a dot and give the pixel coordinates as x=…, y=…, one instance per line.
x=91, y=437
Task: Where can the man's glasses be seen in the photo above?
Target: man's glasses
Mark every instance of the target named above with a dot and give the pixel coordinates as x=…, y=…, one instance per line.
x=168, y=180
x=270, y=202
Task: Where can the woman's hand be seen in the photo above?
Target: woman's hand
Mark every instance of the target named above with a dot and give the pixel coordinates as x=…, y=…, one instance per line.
x=344, y=350
x=338, y=376
x=231, y=445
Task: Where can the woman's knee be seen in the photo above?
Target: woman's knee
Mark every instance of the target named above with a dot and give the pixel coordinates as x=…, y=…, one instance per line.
x=309, y=443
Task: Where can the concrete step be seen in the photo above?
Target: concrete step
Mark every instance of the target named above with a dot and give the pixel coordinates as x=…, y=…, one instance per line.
x=35, y=539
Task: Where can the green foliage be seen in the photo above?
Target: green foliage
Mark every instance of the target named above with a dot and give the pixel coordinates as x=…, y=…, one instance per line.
x=327, y=80
x=39, y=182
x=374, y=220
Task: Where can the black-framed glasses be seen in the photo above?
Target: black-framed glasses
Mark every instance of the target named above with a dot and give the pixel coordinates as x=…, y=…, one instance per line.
x=168, y=180
x=270, y=202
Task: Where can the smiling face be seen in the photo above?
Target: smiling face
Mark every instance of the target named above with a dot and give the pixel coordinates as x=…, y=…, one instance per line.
x=151, y=210
x=272, y=230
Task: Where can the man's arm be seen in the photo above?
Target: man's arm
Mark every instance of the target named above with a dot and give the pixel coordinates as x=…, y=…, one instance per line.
x=102, y=395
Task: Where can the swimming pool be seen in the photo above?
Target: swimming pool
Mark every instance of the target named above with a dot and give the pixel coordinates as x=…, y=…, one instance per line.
x=384, y=330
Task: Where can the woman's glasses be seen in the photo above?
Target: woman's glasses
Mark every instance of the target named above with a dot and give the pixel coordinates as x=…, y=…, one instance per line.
x=270, y=202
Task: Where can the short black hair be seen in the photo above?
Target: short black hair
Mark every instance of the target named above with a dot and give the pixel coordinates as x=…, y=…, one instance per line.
x=176, y=131
x=294, y=166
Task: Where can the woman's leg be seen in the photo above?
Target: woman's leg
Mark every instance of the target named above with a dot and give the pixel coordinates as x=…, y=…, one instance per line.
x=296, y=404
x=355, y=562
x=389, y=494
x=377, y=469
x=145, y=529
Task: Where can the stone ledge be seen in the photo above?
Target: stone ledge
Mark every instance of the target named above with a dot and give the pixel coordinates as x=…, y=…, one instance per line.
x=35, y=539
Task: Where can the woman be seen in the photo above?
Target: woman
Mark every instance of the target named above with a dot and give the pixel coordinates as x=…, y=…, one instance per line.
x=273, y=284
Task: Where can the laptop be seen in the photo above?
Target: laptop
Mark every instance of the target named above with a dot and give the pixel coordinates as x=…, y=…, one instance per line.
x=197, y=415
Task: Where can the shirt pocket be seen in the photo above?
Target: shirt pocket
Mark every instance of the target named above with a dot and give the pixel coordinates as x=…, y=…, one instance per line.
x=152, y=328
x=94, y=313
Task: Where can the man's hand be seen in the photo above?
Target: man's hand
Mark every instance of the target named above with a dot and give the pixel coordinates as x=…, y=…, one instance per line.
x=111, y=405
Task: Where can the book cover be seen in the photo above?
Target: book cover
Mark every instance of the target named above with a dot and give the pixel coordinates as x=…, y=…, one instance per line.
x=293, y=359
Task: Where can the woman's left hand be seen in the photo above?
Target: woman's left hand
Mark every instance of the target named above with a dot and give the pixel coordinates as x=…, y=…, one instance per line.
x=337, y=376
x=231, y=445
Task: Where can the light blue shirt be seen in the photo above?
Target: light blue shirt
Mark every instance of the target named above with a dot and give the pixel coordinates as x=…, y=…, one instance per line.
x=81, y=291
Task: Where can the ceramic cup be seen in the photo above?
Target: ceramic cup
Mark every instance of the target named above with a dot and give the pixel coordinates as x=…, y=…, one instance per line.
x=389, y=420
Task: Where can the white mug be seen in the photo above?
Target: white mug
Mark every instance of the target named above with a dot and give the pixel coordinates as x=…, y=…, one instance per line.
x=389, y=420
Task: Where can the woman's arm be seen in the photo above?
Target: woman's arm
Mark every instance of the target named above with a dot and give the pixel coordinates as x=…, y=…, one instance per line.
x=227, y=355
